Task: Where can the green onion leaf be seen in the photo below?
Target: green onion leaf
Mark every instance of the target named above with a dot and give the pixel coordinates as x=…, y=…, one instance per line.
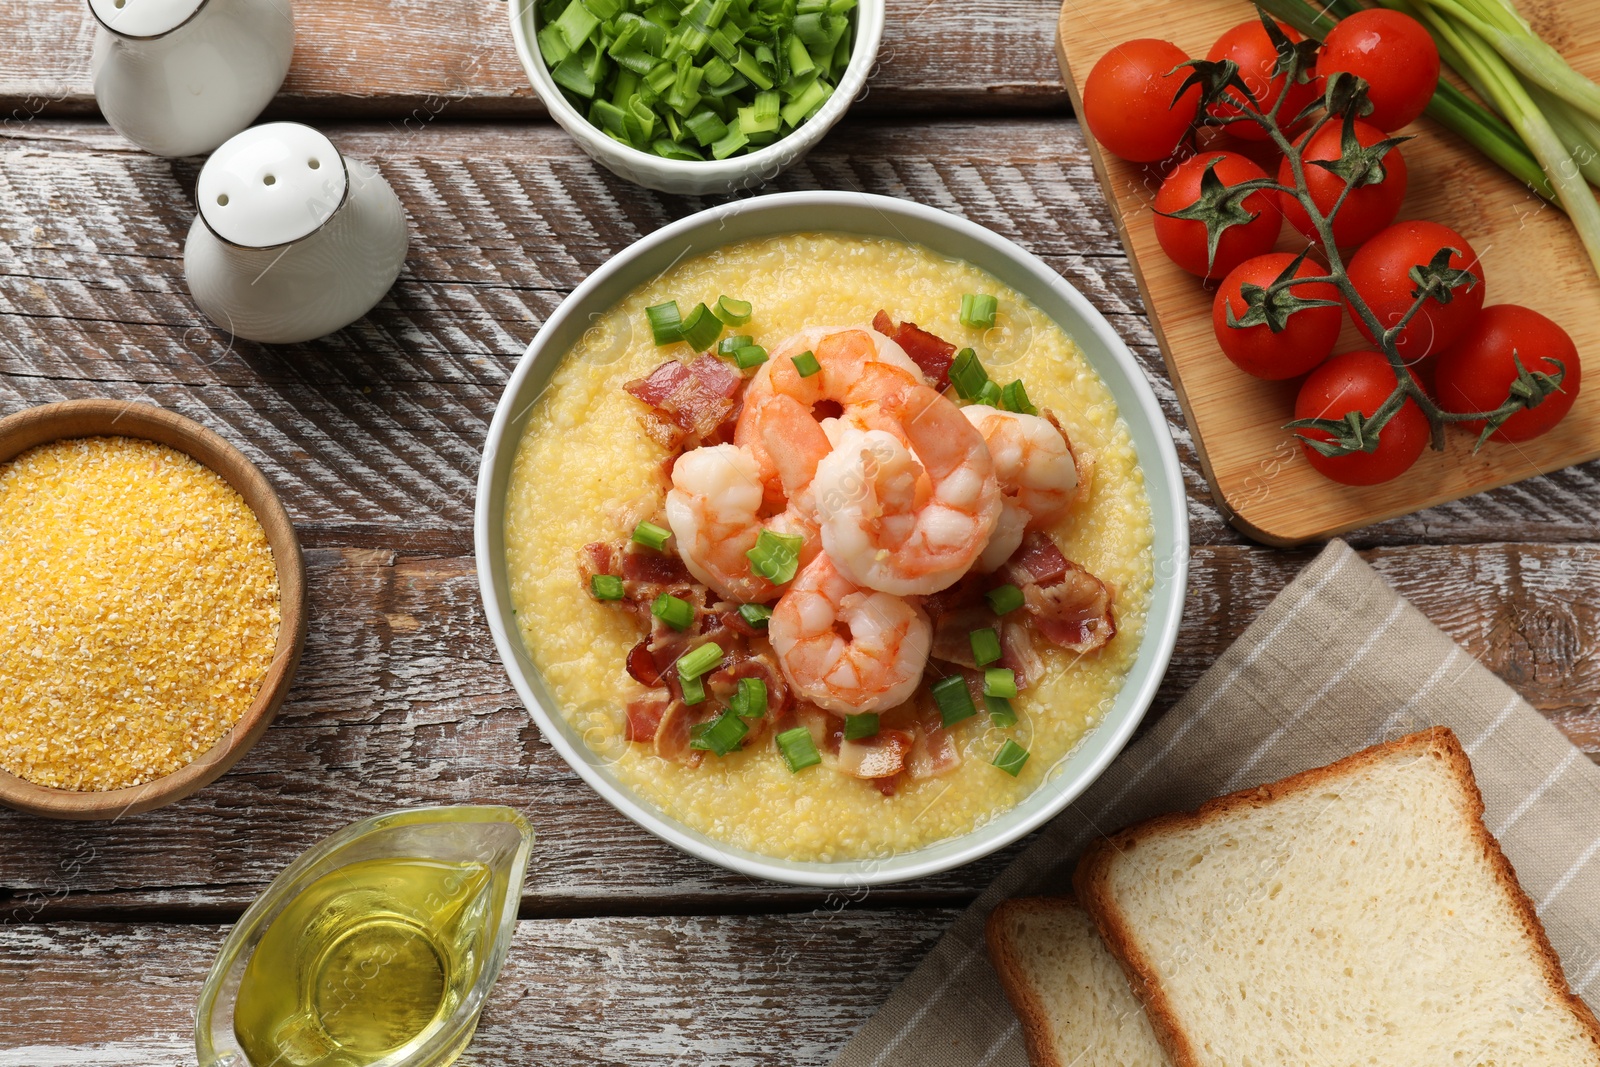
x=650, y=535
x=750, y=356
x=672, y=611
x=978, y=310
x=734, y=312
x=968, y=375
x=1015, y=398
x=775, y=557
x=806, y=363
x=694, y=690
x=729, y=345
x=749, y=701
x=701, y=329
x=857, y=727
x=1011, y=757
x=999, y=682
x=985, y=646
x=706, y=128
x=989, y=394
x=954, y=699
x=1005, y=599
x=1001, y=713
x=722, y=736
x=666, y=322
x=703, y=660
x=798, y=750
x=606, y=587
x=755, y=614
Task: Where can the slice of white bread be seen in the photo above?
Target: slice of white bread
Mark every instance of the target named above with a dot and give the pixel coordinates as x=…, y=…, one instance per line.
x=1074, y=1004
x=1360, y=913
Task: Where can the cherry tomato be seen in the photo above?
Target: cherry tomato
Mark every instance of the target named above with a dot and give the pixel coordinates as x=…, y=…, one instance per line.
x=1381, y=273
x=1361, y=381
x=1396, y=56
x=1184, y=240
x=1368, y=208
x=1248, y=45
x=1308, y=335
x=1476, y=374
x=1128, y=100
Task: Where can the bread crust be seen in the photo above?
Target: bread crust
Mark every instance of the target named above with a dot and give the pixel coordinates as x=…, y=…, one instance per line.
x=1091, y=878
x=1036, y=1032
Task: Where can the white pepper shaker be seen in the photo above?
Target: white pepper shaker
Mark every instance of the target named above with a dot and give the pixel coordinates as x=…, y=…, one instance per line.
x=179, y=77
x=293, y=241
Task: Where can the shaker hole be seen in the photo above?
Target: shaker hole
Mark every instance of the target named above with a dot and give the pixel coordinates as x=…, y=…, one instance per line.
x=222, y=200
x=120, y=4
x=269, y=180
x=314, y=164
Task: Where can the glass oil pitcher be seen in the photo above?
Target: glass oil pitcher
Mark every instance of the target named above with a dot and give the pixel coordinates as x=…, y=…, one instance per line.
x=377, y=948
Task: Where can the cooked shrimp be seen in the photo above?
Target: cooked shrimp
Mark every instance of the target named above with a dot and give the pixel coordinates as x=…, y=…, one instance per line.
x=714, y=509
x=1037, y=473
x=841, y=354
x=846, y=648
x=906, y=513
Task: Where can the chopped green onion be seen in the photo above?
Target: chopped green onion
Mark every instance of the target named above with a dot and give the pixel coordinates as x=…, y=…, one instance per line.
x=954, y=699
x=666, y=322
x=669, y=149
x=722, y=736
x=1005, y=599
x=701, y=329
x=729, y=345
x=672, y=611
x=650, y=535
x=734, y=312
x=575, y=25
x=750, y=356
x=749, y=701
x=694, y=690
x=1001, y=713
x=989, y=394
x=755, y=614
x=968, y=375
x=806, y=363
x=606, y=587
x=985, y=646
x=776, y=557
x=702, y=660
x=1015, y=398
x=798, y=750
x=735, y=140
x=705, y=127
x=806, y=102
x=857, y=727
x=978, y=310
x=1011, y=757
x=999, y=682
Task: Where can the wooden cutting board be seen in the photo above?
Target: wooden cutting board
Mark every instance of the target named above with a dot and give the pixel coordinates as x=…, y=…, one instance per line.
x=1530, y=254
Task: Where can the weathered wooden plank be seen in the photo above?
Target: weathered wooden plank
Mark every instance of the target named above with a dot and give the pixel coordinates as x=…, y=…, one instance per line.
x=401, y=701
x=414, y=62
x=738, y=991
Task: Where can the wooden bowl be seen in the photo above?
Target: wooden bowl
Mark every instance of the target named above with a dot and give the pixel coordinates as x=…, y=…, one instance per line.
x=95, y=418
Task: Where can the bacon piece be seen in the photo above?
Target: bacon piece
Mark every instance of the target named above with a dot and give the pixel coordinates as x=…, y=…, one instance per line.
x=952, y=633
x=643, y=668
x=887, y=786
x=931, y=353
x=934, y=752
x=760, y=665
x=883, y=756
x=597, y=558
x=673, y=734
x=644, y=718
x=647, y=567
x=1070, y=607
x=1017, y=653
x=688, y=402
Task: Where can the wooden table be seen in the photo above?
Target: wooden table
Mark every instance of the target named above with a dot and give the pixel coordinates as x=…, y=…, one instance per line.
x=628, y=952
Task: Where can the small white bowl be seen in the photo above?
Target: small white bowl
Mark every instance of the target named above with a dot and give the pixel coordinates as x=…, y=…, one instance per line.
x=879, y=216
x=712, y=176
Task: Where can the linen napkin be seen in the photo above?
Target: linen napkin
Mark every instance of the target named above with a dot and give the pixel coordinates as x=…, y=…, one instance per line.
x=1336, y=663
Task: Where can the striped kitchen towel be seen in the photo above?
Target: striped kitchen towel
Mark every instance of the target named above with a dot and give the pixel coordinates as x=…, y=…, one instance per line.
x=1338, y=662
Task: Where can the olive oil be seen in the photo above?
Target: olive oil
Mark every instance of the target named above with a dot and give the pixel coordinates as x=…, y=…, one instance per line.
x=365, y=961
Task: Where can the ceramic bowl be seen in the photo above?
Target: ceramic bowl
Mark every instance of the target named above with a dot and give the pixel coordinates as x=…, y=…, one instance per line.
x=712, y=176
x=949, y=235
x=94, y=418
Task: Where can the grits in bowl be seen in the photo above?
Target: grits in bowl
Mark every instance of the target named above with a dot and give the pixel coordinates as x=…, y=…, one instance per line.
x=586, y=471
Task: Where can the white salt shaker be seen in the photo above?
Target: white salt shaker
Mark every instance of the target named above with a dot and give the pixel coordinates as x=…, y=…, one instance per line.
x=179, y=77
x=293, y=240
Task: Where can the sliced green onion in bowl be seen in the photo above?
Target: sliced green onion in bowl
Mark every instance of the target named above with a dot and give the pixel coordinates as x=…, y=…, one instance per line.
x=721, y=736
x=1011, y=758
x=734, y=312
x=798, y=749
x=999, y=682
x=606, y=587
x=858, y=727
x=1005, y=599
x=672, y=611
x=806, y=363
x=694, y=690
x=749, y=701
x=1014, y=397
x=989, y=394
x=967, y=375
x=1001, y=713
x=650, y=535
x=755, y=614
x=776, y=557
x=703, y=660
x=701, y=329
x=750, y=356
x=985, y=646
x=978, y=310
x=666, y=322
x=732, y=343
x=953, y=699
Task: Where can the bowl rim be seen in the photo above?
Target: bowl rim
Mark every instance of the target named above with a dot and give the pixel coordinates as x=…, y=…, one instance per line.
x=71, y=419
x=766, y=162
x=1163, y=477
